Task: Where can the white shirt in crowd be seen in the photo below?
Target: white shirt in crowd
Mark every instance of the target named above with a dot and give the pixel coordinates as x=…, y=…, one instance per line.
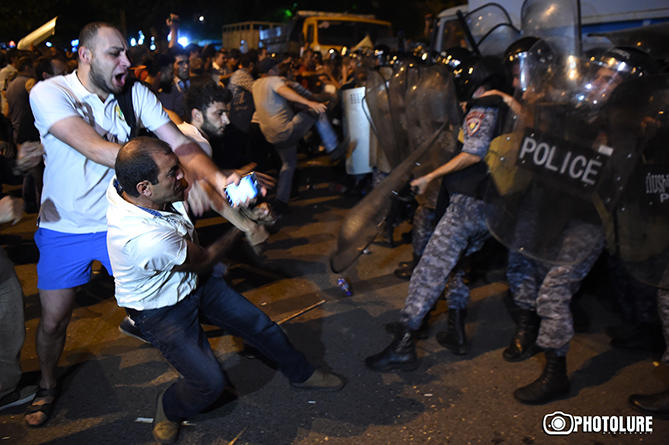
x=144, y=246
x=74, y=186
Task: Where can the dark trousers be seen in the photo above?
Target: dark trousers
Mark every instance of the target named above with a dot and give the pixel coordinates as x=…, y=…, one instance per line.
x=176, y=332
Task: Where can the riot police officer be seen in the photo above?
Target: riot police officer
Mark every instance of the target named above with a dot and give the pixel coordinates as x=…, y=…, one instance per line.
x=542, y=291
x=461, y=231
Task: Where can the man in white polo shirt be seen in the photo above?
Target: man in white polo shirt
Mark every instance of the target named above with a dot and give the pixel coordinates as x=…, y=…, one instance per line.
x=81, y=126
x=156, y=260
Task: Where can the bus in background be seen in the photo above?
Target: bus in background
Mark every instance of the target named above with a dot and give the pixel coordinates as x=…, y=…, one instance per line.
x=244, y=35
x=322, y=31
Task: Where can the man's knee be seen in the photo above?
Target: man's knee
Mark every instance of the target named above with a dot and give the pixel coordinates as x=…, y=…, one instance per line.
x=211, y=388
x=54, y=325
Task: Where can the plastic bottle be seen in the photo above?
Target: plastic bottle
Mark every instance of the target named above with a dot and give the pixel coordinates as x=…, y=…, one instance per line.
x=343, y=285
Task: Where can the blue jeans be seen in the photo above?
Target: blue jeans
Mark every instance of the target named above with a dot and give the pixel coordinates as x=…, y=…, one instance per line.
x=176, y=332
x=287, y=150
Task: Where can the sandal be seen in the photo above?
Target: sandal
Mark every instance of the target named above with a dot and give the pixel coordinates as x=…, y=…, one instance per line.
x=46, y=407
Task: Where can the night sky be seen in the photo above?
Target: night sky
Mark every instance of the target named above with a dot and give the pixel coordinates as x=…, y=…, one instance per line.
x=19, y=18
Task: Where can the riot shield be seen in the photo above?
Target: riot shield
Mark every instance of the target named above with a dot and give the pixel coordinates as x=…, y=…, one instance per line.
x=489, y=29
x=638, y=229
x=397, y=88
x=431, y=97
x=434, y=100
x=555, y=22
x=357, y=129
x=556, y=168
x=378, y=106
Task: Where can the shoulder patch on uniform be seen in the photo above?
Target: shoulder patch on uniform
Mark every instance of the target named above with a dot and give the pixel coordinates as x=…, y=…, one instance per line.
x=473, y=122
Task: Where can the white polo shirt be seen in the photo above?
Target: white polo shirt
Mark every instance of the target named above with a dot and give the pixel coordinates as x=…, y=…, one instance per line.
x=74, y=186
x=144, y=247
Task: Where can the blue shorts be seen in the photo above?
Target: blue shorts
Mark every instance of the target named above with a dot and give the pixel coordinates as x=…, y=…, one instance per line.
x=65, y=258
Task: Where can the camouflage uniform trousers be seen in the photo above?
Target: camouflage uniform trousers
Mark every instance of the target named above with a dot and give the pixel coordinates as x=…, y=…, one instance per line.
x=462, y=229
x=663, y=311
x=423, y=227
x=548, y=288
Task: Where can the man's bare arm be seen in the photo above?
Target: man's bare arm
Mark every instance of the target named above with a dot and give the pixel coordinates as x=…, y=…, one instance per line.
x=459, y=162
x=289, y=94
x=193, y=158
x=200, y=259
x=76, y=133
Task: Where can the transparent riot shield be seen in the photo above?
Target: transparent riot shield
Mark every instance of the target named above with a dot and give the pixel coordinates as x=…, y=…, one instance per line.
x=378, y=107
x=434, y=99
x=397, y=88
x=638, y=229
x=555, y=22
x=489, y=29
x=555, y=168
x=431, y=96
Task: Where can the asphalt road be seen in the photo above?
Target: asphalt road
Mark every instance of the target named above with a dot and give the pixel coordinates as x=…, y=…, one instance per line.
x=110, y=381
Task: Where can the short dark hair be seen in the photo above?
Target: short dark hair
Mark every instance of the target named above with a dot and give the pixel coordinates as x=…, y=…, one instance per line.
x=177, y=51
x=44, y=65
x=90, y=31
x=25, y=63
x=203, y=91
x=245, y=60
x=134, y=163
x=156, y=62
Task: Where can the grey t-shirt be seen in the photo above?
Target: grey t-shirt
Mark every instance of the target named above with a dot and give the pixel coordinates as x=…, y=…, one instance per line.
x=273, y=112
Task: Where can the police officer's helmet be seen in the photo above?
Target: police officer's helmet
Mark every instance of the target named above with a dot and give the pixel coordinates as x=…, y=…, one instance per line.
x=528, y=57
x=517, y=51
x=454, y=57
x=487, y=70
x=627, y=61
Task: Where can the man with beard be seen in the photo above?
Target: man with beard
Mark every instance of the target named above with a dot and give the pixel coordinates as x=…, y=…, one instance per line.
x=208, y=105
x=172, y=95
x=81, y=127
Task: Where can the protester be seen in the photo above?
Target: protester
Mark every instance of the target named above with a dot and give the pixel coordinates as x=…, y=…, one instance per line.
x=80, y=144
x=12, y=324
x=157, y=262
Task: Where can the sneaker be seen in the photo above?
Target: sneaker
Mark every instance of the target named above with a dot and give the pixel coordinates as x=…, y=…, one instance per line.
x=342, y=150
x=127, y=327
x=321, y=381
x=18, y=397
x=164, y=430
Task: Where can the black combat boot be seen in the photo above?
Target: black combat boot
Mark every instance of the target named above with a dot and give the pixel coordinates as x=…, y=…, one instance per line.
x=522, y=345
x=552, y=384
x=400, y=354
x=397, y=327
x=653, y=404
x=454, y=338
x=406, y=268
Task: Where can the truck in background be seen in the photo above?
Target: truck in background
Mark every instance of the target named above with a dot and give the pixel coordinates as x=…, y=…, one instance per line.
x=322, y=31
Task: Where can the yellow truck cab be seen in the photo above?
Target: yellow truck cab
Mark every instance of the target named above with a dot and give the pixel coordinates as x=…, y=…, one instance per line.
x=322, y=31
